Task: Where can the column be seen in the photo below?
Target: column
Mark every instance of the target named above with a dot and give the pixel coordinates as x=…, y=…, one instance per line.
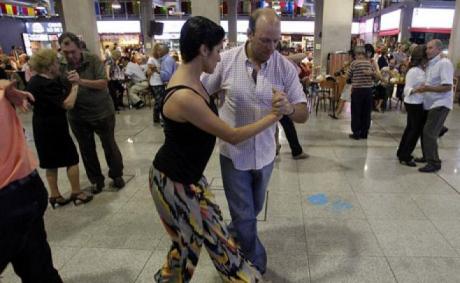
x=207, y=8
x=406, y=21
x=79, y=17
x=332, y=29
x=232, y=20
x=146, y=17
x=454, y=42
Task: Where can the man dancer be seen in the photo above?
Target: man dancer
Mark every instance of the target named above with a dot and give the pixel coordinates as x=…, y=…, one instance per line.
x=93, y=112
x=438, y=100
x=250, y=74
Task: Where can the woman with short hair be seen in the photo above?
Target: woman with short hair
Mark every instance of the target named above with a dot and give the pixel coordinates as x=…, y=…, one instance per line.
x=54, y=145
x=413, y=102
x=180, y=191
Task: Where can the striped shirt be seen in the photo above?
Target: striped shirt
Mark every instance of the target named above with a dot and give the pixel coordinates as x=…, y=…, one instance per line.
x=247, y=101
x=356, y=73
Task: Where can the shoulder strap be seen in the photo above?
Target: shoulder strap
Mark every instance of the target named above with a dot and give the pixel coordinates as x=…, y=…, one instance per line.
x=173, y=89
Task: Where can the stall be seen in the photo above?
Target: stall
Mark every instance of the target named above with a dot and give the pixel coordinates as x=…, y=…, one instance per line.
x=41, y=35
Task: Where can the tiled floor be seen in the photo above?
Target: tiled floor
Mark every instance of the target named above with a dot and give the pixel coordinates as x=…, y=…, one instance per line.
x=349, y=213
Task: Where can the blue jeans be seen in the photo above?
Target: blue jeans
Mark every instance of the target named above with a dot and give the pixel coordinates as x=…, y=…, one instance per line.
x=245, y=192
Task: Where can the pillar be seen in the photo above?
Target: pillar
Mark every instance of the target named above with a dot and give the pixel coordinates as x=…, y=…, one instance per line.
x=232, y=21
x=145, y=18
x=207, y=8
x=454, y=42
x=79, y=17
x=332, y=29
x=406, y=21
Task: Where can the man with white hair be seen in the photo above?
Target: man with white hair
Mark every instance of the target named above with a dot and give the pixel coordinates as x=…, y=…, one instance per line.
x=437, y=100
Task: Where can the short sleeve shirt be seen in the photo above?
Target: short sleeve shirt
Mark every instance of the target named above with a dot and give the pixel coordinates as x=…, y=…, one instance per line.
x=440, y=71
x=247, y=101
x=91, y=104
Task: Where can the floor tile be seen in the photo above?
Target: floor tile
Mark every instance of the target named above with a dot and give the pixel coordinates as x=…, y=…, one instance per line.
x=425, y=269
x=411, y=238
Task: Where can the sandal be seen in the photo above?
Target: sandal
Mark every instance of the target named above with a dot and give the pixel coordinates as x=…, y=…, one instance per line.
x=80, y=198
x=59, y=200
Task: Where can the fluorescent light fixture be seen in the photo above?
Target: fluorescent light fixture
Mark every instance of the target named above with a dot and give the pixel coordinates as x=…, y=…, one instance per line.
x=359, y=7
x=116, y=4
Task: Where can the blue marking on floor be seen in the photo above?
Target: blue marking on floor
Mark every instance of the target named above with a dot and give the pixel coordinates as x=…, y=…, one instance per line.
x=318, y=199
x=341, y=206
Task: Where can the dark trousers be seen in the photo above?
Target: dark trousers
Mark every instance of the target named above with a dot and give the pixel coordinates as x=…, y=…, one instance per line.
x=104, y=128
x=158, y=95
x=361, y=107
x=416, y=118
x=116, y=90
x=434, y=123
x=23, y=240
x=291, y=135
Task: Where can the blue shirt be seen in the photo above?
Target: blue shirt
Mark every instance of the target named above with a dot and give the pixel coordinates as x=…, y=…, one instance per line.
x=167, y=68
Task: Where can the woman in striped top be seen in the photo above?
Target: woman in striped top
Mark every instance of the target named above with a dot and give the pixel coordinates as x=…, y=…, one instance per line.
x=362, y=74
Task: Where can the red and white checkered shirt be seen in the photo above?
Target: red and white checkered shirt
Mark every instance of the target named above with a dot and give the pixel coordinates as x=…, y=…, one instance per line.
x=247, y=101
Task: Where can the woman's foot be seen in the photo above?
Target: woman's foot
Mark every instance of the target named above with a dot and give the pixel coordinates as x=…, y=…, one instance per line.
x=80, y=198
x=58, y=200
x=333, y=116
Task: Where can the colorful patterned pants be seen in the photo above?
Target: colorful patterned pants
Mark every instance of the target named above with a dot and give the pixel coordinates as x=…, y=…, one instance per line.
x=191, y=218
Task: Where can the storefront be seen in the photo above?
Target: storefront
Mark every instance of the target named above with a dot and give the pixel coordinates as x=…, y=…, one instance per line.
x=366, y=31
x=431, y=23
x=389, y=32
x=124, y=33
x=41, y=35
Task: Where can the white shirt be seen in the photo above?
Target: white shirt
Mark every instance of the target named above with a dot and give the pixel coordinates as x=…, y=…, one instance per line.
x=135, y=72
x=155, y=79
x=247, y=101
x=415, y=77
x=439, y=71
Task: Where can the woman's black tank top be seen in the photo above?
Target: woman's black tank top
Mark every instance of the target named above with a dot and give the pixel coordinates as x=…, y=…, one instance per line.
x=187, y=149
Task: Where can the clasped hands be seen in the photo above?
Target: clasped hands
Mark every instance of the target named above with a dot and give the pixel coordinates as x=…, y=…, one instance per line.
x=73, y=77
x=280, y=104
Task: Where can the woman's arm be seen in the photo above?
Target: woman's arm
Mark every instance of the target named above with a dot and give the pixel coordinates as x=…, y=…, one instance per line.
x=185, y=106
x=69, y=102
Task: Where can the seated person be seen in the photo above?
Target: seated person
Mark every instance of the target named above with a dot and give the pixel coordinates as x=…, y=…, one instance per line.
x=139, y=81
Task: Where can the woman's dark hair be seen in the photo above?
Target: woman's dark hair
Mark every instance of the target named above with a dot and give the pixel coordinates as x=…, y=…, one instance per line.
x=197, y=31
x=370, y=51
x=418, y=56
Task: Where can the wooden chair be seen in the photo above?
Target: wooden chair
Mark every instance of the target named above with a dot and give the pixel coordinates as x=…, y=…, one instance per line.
x=327, y=91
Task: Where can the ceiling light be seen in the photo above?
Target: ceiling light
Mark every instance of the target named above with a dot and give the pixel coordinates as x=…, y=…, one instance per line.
x=116, y=5
x=359, y=7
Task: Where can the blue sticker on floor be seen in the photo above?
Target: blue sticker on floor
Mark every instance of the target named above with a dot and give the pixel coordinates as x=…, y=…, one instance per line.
x=337, y=206
x=318, y=199
x=341, y=206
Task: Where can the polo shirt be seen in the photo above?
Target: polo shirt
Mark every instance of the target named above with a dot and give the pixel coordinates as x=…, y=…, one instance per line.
x=91, y=104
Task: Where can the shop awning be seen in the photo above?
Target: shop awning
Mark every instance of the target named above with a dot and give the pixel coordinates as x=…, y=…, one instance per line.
x=432, y=30
x=389, y=32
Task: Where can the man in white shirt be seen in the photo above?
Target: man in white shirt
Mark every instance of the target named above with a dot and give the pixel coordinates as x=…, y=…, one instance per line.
x=249, y=75
x=139, y=81
x=437, y=100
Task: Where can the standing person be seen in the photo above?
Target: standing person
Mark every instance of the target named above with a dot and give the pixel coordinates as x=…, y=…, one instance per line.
x=93, y=112
x=156, y=84
x=54, y=145
x=167, y=63
x=23, y=197
x=249, y=74
x=437, y=100
x=361, y=73
x=413, y=102
x=287, y=124
x=179, y=189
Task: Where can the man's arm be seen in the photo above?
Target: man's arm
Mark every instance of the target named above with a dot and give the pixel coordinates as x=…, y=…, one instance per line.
x=296, y=107
x=167, y=69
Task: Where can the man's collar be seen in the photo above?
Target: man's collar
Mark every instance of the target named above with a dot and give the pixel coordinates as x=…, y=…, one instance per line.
x=246, y=58
x=435, y=59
